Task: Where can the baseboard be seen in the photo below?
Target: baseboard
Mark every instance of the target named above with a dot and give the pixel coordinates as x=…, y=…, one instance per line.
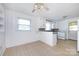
x=51, y=45
x=21, y=44
x=61, y=39
x=72, y=39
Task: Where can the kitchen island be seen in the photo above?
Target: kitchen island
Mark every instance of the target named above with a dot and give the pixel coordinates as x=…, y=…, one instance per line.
x=48, y=36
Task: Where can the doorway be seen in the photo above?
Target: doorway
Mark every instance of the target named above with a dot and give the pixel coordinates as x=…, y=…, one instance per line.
x=72, y=33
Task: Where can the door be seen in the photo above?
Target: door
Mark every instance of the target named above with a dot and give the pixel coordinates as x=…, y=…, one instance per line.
x=72, y=30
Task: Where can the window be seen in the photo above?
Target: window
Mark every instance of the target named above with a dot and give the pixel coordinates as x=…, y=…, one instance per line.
x=23, y=24
x=48, y=26
x=73, y=26
x=52, y=26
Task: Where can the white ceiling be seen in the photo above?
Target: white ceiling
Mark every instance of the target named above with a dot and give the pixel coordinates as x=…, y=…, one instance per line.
x=56, y=10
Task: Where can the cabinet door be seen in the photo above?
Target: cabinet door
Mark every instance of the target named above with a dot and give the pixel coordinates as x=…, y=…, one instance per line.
x=54, y=39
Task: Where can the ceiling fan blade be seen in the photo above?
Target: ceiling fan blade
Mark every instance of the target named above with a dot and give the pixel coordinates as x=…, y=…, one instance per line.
x=33, y=10
x=46, y=8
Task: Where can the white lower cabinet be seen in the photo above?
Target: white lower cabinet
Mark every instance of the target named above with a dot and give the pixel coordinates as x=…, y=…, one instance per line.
x=48, y=38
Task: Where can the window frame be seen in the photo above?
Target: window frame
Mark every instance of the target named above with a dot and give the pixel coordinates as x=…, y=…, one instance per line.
x=22, y=24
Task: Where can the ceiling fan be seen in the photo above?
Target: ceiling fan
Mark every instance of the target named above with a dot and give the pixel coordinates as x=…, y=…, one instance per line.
x=39, y=7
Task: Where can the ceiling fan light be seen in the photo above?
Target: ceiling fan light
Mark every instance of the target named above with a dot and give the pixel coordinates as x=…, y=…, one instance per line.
x=39, y=7
x=42, y=7
x=35, y=6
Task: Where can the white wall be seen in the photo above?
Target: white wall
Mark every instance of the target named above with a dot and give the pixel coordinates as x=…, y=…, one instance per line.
x=15, y=37
x=2, y=29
